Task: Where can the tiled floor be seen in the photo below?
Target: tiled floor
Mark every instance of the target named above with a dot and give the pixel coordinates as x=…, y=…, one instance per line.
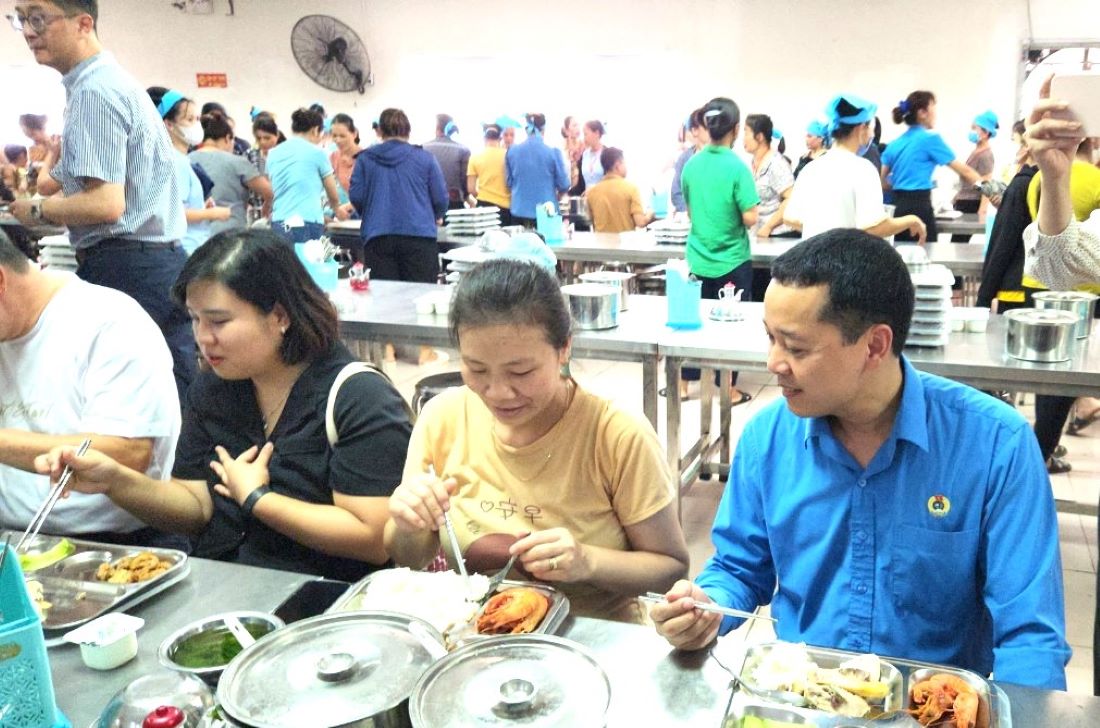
x=1076, y=491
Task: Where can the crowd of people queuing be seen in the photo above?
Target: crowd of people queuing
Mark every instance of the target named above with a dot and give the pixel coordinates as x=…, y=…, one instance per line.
x=228, y=419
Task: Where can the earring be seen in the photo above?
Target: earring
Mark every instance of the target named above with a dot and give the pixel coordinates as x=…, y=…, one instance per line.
x=564, y=371
x=283, y=331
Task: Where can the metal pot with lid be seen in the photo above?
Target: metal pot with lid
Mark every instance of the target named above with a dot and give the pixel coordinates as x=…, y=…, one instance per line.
x=615, y=279
x=1043, y=335
x=348, y=669
x=1080, y=303
x=529, y=680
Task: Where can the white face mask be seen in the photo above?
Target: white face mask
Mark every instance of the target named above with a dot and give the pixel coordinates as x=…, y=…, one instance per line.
x=191, y=134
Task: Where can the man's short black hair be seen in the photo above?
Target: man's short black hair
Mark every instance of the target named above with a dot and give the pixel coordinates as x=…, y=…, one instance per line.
x=868, y=283
x=73, y=7
x=609, y=157
x=13, y=256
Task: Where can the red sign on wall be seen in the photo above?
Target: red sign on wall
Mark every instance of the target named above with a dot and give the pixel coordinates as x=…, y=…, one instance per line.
x=212, y=80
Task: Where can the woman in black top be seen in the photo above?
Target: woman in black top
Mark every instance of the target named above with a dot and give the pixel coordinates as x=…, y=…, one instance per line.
x=256, y=479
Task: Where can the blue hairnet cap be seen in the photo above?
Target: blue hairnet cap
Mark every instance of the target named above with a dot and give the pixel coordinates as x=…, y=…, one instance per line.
x=988, y=121
x=817, y=129
x=865, y=110
x=529, y=247
x=504, y=121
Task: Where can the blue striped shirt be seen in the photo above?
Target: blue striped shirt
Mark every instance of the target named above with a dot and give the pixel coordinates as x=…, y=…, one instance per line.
x=943, y=549
x=113, y=133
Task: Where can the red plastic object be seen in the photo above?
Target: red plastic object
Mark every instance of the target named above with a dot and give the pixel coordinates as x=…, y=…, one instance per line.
x=166, y=716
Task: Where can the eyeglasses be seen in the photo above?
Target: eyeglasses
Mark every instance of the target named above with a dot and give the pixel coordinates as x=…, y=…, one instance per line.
x=37, y=21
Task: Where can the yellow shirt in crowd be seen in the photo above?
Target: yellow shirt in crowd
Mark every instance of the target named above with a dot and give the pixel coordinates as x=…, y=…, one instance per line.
x=597, y=470
x=612, y=203
x=492, y=181
x=1084, y=192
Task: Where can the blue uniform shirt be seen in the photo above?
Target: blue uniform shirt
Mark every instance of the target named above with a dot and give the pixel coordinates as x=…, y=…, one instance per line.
x=297, y=170
x=192, y=199
x=914, y=156
x=535, y=174
x=944, y=548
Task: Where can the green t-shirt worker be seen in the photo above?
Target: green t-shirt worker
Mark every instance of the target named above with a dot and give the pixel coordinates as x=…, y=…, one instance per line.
x=721, y=200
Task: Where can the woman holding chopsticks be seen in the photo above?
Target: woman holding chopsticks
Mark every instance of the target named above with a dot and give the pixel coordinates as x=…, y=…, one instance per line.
x=262, y=474
x=529, y=463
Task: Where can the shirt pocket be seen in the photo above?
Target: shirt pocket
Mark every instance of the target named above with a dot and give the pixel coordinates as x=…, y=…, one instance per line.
x=934, y=573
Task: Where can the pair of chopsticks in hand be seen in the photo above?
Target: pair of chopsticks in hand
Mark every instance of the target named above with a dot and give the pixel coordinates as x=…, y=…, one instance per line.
x=51, y=500
x=655, y=598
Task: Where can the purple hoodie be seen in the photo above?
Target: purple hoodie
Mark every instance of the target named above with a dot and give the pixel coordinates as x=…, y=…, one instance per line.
x=398, y=189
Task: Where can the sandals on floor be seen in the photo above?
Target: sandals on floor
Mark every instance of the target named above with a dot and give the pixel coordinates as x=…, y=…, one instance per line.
x=745, y=397
x=1079, y=423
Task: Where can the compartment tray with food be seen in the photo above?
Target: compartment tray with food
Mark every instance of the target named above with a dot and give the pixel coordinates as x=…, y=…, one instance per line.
x=78, y=580
x=445, y=609
x=889, y=703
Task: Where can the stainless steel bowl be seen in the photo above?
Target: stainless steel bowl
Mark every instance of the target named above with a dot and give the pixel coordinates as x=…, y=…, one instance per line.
x=1080, y=303
x=615, y=279
x=1043, y=335
x=210, y=675
x=593, y=305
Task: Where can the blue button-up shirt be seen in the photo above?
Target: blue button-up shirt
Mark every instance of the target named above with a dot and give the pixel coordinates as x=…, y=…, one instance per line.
x=535, y=174
x=113, y=133
x=943, y=549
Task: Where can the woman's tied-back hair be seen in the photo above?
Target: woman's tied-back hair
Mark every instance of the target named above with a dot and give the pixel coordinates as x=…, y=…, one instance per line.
x=511, y=292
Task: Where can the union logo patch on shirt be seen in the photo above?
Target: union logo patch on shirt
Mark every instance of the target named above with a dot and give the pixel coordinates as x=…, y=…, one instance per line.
x=939, y=506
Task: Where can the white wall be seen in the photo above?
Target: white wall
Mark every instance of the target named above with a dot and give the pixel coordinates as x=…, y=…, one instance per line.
x=640, y=65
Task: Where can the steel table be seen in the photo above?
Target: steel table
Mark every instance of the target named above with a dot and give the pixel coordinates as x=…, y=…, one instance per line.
x=387, y=313
x=651, y=683
x=977, y=359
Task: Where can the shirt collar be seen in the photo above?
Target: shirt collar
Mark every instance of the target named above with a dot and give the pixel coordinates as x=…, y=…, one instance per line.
x=910, y=422
x=79, y=70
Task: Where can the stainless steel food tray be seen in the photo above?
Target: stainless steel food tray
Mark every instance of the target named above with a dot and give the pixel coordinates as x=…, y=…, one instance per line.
x=551, y=623
x=78, y=597
x=994, y=711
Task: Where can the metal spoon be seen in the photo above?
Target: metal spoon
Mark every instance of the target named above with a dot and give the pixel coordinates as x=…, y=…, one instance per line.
x=244, y=638
x=774, y=696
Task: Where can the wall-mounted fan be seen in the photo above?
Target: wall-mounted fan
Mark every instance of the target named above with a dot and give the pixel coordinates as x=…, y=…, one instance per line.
x=331, y=53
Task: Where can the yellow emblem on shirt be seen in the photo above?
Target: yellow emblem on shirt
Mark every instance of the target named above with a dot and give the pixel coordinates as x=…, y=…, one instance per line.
x=939, y=506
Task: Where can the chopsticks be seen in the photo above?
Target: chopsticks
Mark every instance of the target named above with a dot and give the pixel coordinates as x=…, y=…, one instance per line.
x=655, y=598
x=452, y=537
x=51, y=499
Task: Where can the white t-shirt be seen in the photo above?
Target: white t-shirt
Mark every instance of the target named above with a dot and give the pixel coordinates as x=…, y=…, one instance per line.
x=836, y=190
x=94, y=362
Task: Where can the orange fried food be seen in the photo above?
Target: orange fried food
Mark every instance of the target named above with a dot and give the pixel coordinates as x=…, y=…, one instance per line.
x=513, y=611
x=142, y=566
x=943, y=697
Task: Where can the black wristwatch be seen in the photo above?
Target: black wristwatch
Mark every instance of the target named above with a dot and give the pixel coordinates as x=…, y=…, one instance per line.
x=249, y=504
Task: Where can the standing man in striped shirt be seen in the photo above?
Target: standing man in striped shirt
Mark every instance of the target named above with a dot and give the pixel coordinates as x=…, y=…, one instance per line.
x=120, y=199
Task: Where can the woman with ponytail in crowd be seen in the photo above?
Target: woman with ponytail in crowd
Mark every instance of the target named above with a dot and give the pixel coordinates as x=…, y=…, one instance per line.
x=178, y=114
x=722, y=203
x=235, y=178
x=300, y=174
x=910, y=160
x=842, y=189
x=772, y=174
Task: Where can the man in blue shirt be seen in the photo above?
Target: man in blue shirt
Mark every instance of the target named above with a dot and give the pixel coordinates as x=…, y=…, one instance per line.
x=535, y=173
x=878, y=508
x=121, y=198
